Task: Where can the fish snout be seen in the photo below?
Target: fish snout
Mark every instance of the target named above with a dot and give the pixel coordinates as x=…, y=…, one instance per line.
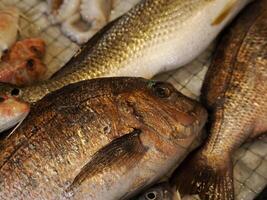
x=12, y=111
x=190, y=123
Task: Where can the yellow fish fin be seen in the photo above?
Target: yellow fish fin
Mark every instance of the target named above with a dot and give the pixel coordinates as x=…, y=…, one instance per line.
x=224, y=13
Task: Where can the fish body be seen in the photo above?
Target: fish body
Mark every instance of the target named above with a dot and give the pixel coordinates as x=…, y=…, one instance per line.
x=234, y=92
x=12, y=111
x=9, y=19
x=22, y=65
x=99, y=139
x=152, y=37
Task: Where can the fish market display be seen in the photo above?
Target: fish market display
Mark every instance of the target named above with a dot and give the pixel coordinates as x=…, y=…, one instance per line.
x=99, y=139
x=160, y=43
x=9, y=19
x=234, y=91
x=95, y=13
x=22, y=65
x=12, y=111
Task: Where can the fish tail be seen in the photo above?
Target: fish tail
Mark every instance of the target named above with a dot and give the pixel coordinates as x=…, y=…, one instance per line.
x=207, y=176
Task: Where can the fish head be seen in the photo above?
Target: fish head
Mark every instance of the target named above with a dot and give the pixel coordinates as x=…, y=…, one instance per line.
x=161, y=191
x=36, y=46
x=12, y=111
x=171, y=114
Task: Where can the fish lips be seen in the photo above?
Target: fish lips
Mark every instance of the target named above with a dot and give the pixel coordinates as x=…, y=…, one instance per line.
x=12, y=111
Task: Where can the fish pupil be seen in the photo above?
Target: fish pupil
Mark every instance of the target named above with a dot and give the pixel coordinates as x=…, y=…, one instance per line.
x=15, y=92
x=30, y=64
x=151, y=196
x=2, y=99
x=162, y=92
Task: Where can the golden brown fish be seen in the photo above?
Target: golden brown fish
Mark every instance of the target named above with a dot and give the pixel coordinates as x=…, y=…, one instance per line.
x=235, y=92
x=99, y=139
x=154, y=36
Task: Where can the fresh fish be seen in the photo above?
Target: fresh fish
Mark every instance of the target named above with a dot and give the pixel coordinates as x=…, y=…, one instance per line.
x=9, y=20
x=12, y=111
x=152, y=37
x=99, y=139
x=22, y=64
x=161, y=191
x=234, y=92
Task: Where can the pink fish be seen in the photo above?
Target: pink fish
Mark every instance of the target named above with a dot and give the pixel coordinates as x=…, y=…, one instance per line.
x=12, y=112
x=22, y=65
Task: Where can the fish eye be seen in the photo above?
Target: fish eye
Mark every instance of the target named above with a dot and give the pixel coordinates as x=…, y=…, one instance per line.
x=30, y=64
x=161, y=91
x=151, y=195
x=15, y=92
x=2, y=99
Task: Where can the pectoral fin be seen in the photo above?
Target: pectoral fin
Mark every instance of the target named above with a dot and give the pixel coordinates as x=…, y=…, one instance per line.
x=224, y=13
x=125, y=151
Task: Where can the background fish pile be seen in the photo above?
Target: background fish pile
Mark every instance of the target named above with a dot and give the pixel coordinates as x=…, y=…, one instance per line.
x=250, y=161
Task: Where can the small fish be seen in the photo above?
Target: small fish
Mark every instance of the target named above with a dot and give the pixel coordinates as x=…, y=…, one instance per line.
x=99, y=139
x=12, y=111
x=22, y=64
x=234, y=92
x=154, y=36
x=161, y=191
x=9, y=19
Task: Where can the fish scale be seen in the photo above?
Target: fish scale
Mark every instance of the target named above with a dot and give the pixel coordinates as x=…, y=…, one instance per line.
x=154, y=36
x=234, y=92
x=71, y=155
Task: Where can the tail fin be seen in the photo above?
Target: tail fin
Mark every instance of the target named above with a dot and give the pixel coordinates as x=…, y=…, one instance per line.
x=210, y=178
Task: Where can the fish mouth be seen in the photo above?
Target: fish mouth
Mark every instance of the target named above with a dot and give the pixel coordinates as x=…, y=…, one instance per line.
x=186, y=124
x=5, y=125
x=12, y=112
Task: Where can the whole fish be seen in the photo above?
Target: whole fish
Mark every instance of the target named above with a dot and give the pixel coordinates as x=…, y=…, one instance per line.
x=99, y=139
x=161, y=191
x=234, y=92
x=22, y=64
x=154, y=36
x=12, y=111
